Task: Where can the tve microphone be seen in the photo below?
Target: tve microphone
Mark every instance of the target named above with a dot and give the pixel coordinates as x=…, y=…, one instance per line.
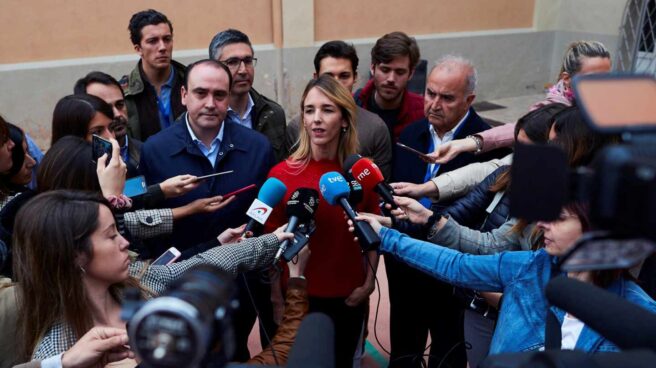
x=627, y=325
x=368, y=174
x=356, y=194
x=269, y=196
x=301, y=206
x=335, y=189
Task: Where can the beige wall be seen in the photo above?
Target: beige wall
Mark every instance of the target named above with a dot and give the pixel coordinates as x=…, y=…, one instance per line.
x=344, y=19
x=65, y=29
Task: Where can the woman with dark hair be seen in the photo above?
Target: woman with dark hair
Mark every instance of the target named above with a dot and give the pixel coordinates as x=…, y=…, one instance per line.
x=580, y=143
x=522, y=277
x=342, y=279
x=81, y=116
x=14, y=180
x=6, y=146
x=72, y=266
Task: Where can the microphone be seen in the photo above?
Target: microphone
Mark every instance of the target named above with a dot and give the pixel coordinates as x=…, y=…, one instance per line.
x=368, y=174
x=335, y=190
x=301, y=206
x=268, y=197
x=627, y=325
x=314, y=345
x=356, y=195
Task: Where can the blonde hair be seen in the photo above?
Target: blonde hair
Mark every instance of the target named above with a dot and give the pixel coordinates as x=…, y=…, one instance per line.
x=348, y=138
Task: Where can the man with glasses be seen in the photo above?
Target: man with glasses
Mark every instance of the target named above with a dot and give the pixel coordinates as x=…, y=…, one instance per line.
x=247, y=107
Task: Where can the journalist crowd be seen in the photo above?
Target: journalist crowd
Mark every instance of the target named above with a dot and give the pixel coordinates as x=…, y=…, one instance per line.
x=421, y=179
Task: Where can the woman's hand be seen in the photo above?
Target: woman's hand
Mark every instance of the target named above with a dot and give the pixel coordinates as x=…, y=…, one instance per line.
x=229, y=235
x=99, y=346
x=282, y=235
x=375, y=225
x=111, y=177
x=297, y=264
x=449, y=150
x=412, y=210
x=359, y=295
x=201, y=205
x=178, y=185
x=415, y=190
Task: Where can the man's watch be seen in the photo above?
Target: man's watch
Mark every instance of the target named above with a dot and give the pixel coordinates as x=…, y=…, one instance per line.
x=479, y=143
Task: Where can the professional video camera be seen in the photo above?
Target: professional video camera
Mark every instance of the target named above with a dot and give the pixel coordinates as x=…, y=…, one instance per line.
x=620, y=187
x=188, y=326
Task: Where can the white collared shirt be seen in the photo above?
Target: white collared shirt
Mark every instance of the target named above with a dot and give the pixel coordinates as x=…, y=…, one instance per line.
x=212, y=151
x=247, y=119
x=448, y=136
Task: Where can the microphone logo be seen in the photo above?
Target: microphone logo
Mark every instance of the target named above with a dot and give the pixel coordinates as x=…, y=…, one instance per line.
x=335, y=179
x=363, y=174
x=259, y=211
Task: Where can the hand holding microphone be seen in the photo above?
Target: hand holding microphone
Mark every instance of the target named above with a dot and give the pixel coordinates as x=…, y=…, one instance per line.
x=301, y=206
x=335, y=190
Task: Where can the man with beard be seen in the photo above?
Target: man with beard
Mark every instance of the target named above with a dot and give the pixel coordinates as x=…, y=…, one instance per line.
x=109, y=90
x=248, y=107
x=393, y=61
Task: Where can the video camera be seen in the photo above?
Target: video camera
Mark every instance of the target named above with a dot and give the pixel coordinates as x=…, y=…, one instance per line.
x=620, y=185
x=188, y=326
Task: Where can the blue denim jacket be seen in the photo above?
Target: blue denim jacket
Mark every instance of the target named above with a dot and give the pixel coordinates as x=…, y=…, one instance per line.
x=522, y=276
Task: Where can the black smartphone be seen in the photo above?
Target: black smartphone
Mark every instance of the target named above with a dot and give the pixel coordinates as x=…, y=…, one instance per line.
x=100, y=146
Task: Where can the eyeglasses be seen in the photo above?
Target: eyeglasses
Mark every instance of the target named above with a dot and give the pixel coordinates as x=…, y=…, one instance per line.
x=233, y=63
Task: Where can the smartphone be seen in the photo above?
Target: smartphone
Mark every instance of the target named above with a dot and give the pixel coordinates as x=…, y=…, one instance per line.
x=199, y=178
x=420, y=154
x=100, y=146
x=167, y=258
x=241, y=190
x=135, y=186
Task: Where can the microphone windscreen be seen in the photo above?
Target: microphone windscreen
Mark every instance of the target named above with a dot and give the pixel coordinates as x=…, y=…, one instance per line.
x=627, y=325
x=314, y=345
x=272, y=192
x=303, y=204
x=333, y=186
x=367, y=173
x=350, y=161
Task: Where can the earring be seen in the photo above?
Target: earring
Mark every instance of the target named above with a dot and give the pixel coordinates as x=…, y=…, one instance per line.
x=82, y=269
x=344, y=130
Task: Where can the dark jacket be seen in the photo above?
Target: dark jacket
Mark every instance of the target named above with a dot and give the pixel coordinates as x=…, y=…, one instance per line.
x=408, y=167
x=412, y=107
x=269, y=119
x=172, y=152
x=141, y=101
x=471, y=210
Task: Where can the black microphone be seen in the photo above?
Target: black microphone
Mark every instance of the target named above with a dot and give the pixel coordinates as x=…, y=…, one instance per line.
x=356, y=195
x=627, y=325
x=314, y=345
x=335, y=191
x=301, y=206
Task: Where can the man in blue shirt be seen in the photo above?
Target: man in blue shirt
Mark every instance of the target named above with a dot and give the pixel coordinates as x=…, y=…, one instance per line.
x=201, y=142
x=152, y=89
